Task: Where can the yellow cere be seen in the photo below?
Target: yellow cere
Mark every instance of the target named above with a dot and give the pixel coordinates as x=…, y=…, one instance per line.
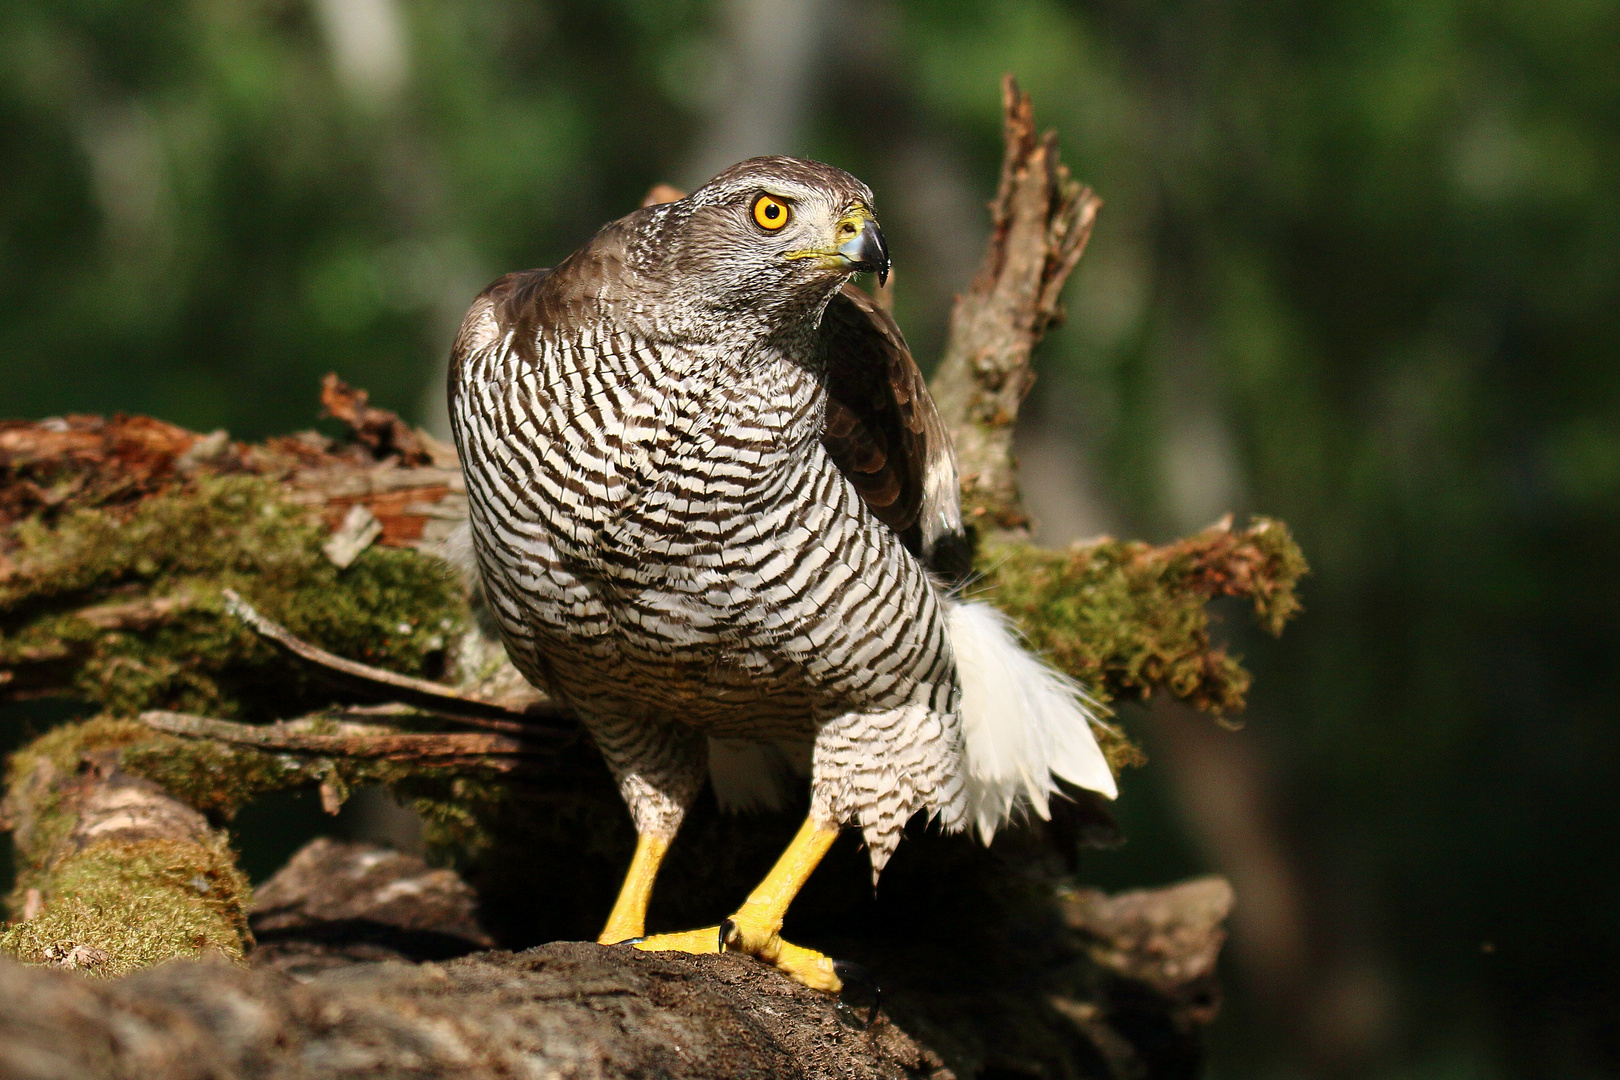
x=770, y=213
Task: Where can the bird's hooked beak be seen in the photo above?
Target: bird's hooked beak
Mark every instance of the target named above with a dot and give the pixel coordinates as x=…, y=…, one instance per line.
x=866, y=251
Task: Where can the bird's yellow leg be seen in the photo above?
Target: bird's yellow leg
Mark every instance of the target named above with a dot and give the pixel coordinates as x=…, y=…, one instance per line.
x=629, y=917
x=756, y=928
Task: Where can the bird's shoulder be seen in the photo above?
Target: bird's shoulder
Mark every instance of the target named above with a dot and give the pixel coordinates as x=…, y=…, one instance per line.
x=559, y=303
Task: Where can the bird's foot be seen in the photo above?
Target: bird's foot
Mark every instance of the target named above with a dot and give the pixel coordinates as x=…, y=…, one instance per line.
x=761, y=936
x=747, y=932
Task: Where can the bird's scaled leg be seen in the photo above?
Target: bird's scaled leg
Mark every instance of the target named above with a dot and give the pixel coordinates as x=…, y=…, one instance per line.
x=659, y=769
x=756, y=927
x=628, y=919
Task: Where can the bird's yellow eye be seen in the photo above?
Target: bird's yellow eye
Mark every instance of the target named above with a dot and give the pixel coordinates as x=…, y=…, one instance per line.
x=770, y=213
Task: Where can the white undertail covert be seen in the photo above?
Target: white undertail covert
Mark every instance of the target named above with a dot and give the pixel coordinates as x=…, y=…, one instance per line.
x=1023, y=723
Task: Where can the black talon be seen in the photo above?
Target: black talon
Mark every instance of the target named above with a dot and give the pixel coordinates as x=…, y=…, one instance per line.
x=630, y=941
x=853, y=976
x=726, y=927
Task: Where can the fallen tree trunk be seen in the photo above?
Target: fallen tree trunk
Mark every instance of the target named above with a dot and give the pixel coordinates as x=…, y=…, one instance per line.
x=572, y=1010
x=365, y=967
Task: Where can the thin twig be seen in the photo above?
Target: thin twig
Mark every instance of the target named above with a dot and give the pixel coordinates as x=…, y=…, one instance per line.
x=540, y=718
x=337, y=739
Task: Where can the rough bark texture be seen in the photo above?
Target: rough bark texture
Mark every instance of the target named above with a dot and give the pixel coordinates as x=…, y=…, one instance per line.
x=1166, y=940
x=564, y=1010
x=1041, y=219
x=335, y=904
x=365, y=967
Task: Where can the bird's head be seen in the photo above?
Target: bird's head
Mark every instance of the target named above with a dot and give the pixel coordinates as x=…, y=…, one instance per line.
x=780, y=232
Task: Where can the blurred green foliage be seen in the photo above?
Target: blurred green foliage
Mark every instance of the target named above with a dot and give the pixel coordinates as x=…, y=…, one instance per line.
x=200, y=212
x=1359, y=269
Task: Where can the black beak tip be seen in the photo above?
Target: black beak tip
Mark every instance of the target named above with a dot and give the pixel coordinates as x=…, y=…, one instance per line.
x=869, y=252
x=882, y=255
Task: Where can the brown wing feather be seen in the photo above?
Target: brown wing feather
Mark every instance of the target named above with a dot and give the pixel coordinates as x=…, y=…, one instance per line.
x=884, y=433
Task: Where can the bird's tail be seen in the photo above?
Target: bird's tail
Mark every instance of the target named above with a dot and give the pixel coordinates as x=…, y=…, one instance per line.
x=1022, y=722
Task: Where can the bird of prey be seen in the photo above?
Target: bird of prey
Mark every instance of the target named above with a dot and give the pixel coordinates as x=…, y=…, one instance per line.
x=714, y=510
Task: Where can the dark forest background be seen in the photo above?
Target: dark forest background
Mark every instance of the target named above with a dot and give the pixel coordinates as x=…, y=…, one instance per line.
x=1358, y=268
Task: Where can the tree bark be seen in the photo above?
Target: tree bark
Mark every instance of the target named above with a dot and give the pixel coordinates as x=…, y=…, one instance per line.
x=365, y=965
x=1041, y=219
x=568, y=1009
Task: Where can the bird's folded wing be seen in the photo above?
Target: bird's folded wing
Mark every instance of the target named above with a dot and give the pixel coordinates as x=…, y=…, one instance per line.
x=882, y=429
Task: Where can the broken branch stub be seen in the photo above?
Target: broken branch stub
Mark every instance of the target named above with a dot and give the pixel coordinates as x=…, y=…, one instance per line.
x=1041, y=219
x=384, y=432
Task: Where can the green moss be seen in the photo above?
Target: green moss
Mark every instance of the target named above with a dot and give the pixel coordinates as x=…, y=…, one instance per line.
x=216, y=778
x=1127, y=619
x=165, y=562
x=124, y=906
x=147, y=902
x=458, y=812
x=36, y=777
x=1119, y=751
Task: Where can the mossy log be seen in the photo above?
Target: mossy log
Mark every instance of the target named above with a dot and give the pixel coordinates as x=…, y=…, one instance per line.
x=982, y=961
x=194, y=593
x=115, y=872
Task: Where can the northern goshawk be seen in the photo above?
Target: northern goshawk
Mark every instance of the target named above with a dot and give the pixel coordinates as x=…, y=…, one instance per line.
x=708, y=490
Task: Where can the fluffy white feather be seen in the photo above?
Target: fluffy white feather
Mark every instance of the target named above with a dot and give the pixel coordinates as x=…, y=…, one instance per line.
x=1022, y=722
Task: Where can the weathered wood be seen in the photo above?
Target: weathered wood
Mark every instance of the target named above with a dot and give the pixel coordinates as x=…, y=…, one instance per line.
x=333, y=738
x=538, y=718
x=1041, y=219
x=574, y=1010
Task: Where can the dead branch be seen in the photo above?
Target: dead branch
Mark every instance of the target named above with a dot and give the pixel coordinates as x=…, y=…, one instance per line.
x=1041, y=219
x=539, y=718
x=384, y=432
x=332, y=738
